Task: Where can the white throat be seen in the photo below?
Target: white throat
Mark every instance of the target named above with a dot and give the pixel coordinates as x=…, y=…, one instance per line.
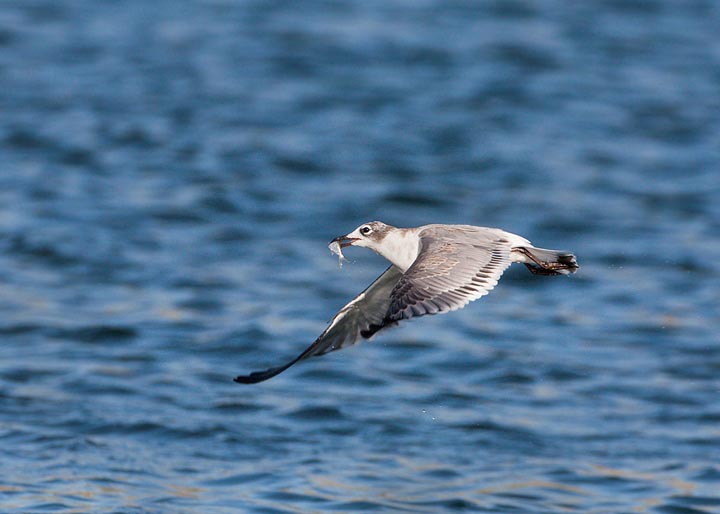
x=401, y=247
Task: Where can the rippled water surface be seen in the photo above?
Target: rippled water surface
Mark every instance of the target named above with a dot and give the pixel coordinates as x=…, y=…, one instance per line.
x=171, y=173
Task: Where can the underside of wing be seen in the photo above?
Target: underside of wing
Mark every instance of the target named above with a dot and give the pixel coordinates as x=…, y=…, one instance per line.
x=360, y=319
x=451, y=270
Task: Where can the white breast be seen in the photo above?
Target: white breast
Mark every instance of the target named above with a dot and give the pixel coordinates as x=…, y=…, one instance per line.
x=401, y=247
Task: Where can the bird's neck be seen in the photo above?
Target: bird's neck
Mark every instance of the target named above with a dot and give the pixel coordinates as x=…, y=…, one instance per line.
x=400, y=247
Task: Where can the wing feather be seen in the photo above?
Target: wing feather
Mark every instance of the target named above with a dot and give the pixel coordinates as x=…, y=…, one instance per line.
x=359, y=319
x=454, y=267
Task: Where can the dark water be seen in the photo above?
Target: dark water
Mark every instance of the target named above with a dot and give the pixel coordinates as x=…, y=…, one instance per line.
x=170, y=175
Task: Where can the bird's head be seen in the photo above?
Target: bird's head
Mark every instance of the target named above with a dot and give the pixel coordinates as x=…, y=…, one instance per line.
x=368, y=235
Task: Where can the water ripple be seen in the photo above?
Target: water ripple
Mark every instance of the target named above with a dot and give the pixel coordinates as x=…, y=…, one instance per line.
x=173, y=171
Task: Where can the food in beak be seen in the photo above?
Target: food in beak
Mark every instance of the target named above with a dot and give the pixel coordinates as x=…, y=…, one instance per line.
x=336, y=248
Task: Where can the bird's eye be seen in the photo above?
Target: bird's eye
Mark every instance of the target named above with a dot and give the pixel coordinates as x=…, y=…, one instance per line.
x=365, y=230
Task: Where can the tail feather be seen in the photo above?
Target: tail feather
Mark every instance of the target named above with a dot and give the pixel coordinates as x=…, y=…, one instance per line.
x=542, y=261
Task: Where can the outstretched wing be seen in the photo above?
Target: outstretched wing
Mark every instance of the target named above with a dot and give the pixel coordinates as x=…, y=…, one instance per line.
x=361, y=318
x=455, y=266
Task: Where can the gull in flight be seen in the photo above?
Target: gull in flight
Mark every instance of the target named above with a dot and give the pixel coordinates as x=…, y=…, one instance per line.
x=435, y=269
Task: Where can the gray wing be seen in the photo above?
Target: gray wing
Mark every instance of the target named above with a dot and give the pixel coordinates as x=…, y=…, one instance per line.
x=455, y=266
x=361, y=318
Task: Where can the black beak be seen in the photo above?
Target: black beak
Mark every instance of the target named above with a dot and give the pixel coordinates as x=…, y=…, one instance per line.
x=344, y=241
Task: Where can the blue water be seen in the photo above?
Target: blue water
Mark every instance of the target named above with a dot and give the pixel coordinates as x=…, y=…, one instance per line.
x=171, y=173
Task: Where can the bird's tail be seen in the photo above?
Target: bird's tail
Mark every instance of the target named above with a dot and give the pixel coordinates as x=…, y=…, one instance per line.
x=541, y=261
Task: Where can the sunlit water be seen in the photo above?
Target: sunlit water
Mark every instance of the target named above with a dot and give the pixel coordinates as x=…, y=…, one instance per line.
x=171, y=173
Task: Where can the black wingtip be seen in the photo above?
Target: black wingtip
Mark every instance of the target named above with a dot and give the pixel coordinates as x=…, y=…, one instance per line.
x=247, y=379
x=261, y=376
x=254, y=378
